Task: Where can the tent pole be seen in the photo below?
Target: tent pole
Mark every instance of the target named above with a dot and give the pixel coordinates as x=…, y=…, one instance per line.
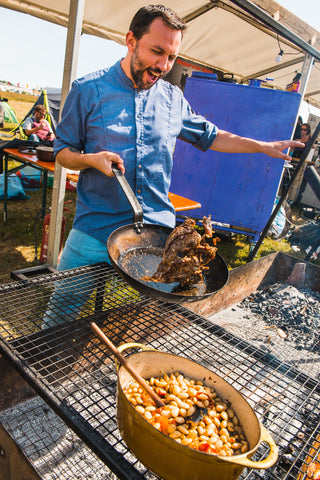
x=60, y=174
x=46, y=104
x=305, y=73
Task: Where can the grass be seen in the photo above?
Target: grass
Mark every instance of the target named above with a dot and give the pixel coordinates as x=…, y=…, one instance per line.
x=17, y=236
x=17, y=240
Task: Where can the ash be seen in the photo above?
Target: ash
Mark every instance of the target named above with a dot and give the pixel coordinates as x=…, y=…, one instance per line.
x=54, y=450
x=295, y=312
x=281, y=319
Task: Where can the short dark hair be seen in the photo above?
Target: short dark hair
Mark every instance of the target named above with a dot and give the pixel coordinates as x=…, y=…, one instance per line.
x=145, y=15
x=40, y=108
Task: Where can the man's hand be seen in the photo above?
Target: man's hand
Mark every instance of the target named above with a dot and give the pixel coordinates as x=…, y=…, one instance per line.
x=230, y=143
x=275, y=149
x=102, y=161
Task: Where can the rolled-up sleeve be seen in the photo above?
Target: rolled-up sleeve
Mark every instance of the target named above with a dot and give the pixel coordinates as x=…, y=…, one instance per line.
x=196, y=129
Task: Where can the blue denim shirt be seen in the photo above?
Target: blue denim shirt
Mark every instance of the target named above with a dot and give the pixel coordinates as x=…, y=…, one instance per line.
x=103, y=111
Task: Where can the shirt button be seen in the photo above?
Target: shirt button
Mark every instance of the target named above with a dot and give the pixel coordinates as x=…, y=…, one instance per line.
x=140, y=166
x=139, y=191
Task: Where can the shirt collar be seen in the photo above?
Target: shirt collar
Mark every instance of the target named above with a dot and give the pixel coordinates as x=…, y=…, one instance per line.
x=121, y=77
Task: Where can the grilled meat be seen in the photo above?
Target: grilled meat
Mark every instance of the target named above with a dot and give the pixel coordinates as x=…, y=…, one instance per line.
x=206, y=222
x=181, y=240
x=185, y=254
x=185, y=270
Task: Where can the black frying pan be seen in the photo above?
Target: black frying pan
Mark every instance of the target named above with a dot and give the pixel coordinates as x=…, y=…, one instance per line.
x=136, y=250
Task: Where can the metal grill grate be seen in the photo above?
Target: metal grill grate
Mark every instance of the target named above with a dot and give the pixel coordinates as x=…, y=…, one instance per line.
x=76, y=375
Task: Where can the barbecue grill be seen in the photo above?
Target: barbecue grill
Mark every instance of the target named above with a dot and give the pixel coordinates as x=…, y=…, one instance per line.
x=66, y=428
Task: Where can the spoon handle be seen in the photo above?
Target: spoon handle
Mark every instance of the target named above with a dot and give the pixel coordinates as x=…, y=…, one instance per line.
x=123, y=361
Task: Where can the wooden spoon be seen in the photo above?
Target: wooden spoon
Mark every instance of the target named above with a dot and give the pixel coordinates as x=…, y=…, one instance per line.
x=122, y=360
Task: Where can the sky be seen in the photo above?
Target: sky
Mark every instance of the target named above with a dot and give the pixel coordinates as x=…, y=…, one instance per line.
x=26, y=40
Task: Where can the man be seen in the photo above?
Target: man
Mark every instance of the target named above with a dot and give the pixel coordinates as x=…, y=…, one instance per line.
x=129, y=116
x=36, y=127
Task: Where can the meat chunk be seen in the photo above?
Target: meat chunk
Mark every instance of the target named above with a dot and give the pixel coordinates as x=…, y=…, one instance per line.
x=185, y=254
x=185, y=270
x=181, y=240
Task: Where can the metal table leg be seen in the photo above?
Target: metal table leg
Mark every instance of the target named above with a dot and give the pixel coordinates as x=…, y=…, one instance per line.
x=7, y=173
x=44, y=191
x=5, y=193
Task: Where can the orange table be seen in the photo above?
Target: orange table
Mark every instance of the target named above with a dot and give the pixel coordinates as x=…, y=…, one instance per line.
x=32, y=160
x=180, y=203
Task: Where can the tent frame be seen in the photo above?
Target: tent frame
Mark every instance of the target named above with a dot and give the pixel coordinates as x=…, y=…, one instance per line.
x=71, y=59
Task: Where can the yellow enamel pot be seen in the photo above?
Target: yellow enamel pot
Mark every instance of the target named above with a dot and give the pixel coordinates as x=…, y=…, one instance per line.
x=168, y=458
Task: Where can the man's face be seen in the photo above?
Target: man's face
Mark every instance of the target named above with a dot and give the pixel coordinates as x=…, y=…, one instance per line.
x=154, y=54
x=39, y=116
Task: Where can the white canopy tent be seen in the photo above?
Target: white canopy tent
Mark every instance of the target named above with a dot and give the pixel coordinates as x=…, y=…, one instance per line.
x=236, y=36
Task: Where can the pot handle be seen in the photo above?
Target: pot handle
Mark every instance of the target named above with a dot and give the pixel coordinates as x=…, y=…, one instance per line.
x=125, y=346
x=266, y=462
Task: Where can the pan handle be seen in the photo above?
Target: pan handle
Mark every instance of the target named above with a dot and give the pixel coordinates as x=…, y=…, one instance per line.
x=127, y=190
x=266, y=462
x=125, y=346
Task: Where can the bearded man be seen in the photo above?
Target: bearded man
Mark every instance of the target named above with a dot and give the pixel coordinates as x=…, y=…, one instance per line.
x=128, y=115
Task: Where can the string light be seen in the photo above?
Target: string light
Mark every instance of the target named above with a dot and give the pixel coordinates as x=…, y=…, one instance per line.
x=279, y=56
x=282, y=52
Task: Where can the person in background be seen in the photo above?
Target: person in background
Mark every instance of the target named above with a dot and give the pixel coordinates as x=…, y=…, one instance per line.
x=130, y=116
x=305, y=138
x=36, y=127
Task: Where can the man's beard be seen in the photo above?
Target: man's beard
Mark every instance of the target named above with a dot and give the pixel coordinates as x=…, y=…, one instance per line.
x=137, y=70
